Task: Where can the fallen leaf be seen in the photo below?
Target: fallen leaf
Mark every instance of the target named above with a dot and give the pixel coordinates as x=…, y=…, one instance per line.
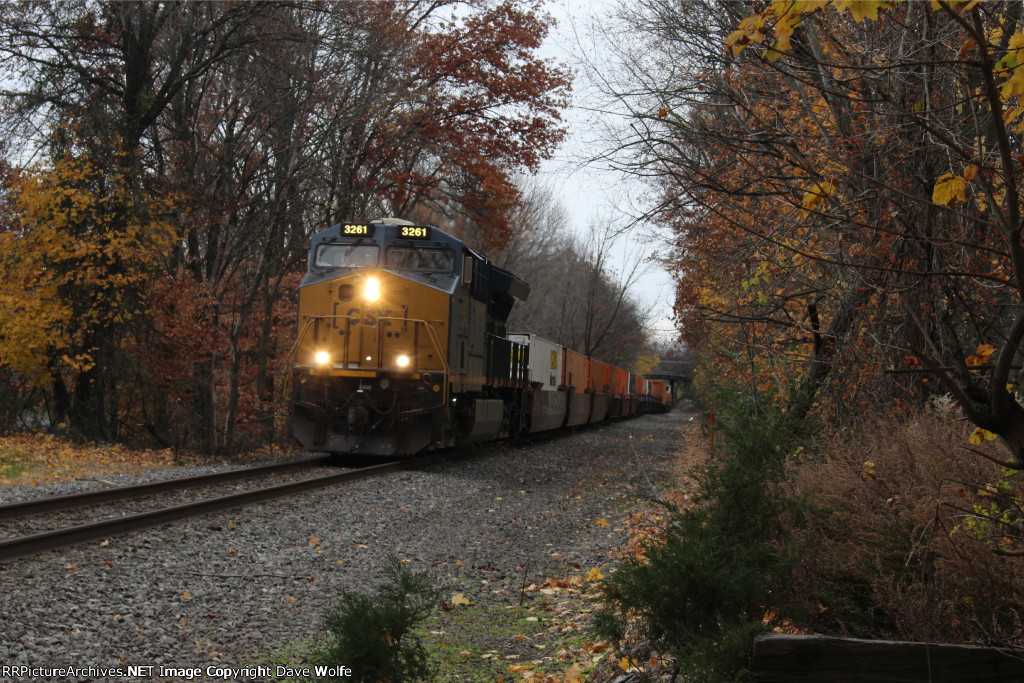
x=459, y=599
x=868, y=471
x=627, y=664
x=981, y=435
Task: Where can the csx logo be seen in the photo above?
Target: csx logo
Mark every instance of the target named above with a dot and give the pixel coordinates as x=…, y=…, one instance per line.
x=369, y=318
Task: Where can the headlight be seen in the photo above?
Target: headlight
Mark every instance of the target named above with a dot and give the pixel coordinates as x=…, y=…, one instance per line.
x=372, y=289
x=322, y=358
x=403, y=361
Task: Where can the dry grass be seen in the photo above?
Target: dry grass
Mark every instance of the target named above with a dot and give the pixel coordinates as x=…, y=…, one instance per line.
x=899, y=544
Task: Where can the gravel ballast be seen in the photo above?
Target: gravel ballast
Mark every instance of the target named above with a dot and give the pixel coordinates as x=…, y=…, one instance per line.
x=232, y=589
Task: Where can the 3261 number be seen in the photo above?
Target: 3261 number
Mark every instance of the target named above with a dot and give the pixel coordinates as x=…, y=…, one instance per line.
x=415, y=232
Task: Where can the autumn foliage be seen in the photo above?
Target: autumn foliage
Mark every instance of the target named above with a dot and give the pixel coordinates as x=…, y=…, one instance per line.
x=843, y=183
x=183, y=154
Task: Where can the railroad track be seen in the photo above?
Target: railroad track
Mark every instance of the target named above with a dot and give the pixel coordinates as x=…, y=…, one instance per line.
x=23, y=546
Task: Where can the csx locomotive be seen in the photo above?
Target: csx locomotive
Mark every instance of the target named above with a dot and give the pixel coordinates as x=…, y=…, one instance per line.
x=402, y=347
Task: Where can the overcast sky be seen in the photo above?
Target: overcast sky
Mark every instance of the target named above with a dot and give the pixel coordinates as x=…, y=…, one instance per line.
x=589, y=192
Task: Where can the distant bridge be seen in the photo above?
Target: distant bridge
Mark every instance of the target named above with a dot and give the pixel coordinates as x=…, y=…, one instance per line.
x=677, y=373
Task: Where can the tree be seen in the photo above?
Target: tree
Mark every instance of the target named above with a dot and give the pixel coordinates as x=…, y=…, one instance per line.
x=577, y=299
x=80, y=250
x=860, y=161
x=266, y=122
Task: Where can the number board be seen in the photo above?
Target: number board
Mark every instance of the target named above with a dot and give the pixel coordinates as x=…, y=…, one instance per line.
x=414, y=232
x=357, y=230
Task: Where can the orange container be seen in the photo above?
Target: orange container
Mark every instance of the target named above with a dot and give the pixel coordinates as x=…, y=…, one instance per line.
x=598, y=380
x=619, y=381
x=574, y=370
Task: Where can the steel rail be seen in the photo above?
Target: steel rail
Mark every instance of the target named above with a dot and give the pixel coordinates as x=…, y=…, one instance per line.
x=25, y=508
x=24, y=546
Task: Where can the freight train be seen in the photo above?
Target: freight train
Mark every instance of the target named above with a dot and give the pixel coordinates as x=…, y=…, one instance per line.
x=402, y=347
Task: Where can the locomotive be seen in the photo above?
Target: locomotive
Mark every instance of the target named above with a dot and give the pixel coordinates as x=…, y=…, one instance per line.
x=402, y=347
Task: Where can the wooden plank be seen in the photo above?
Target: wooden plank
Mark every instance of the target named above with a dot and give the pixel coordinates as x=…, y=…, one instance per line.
x=804, y=659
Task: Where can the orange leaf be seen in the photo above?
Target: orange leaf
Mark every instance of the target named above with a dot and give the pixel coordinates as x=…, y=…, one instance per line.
x=981, y=355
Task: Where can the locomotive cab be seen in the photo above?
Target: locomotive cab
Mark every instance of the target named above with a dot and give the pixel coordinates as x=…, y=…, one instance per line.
x=399, y=329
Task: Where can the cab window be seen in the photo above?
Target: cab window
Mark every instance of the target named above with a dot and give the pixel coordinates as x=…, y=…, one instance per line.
x=421, y=260
x=346, y=256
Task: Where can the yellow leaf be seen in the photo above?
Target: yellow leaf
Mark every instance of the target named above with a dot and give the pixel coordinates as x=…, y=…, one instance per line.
x=868, y=471
x=980, y=435
x=573, y=674
x=595, y=575
x=861, y=8
x=459, y=599
x=1014, y=85
x=627, y=664
x=966, y=4
x=949, y=189
x=818, y=195
x=602, y=522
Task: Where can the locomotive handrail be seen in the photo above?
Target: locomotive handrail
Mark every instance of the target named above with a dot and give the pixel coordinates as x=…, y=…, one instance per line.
x=298, y=339
x=437, y=347
x=431, y=333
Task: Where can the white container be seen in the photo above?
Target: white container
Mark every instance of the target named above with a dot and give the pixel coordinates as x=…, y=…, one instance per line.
x=545, y=360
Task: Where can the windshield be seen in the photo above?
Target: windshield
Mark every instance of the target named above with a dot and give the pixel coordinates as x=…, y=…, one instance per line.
x=421, y=260
x=346, y=256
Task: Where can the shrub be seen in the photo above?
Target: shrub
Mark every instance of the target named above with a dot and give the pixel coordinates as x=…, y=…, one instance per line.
x=372, y=634
x=916, y=537
x=700, y=591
